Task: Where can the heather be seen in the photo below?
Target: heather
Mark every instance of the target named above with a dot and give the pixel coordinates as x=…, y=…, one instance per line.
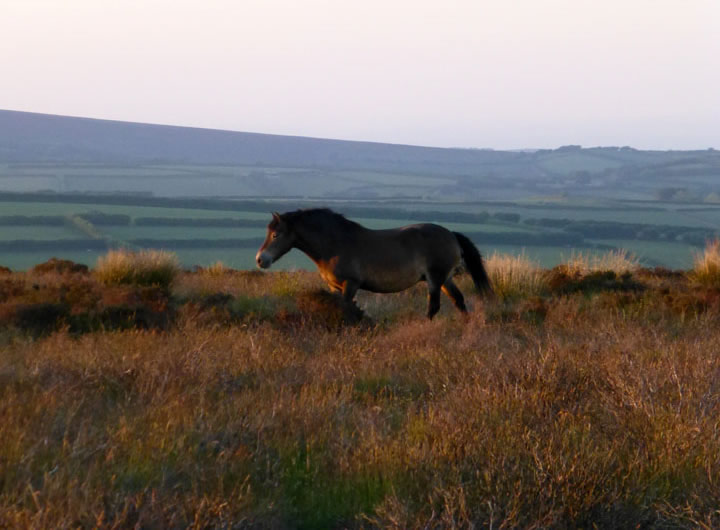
x=581, y=396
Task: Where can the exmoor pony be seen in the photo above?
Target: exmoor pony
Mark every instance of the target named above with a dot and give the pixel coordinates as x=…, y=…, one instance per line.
x=351, y=257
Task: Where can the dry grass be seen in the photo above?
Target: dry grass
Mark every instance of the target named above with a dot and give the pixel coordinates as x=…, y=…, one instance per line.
x=706, y=269
x=513, y=276
x=216, y=269
x=603, y=413
x=145, y=267
x=618, y=261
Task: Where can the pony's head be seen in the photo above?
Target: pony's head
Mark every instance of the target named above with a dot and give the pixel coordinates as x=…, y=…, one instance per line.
x=279, y=240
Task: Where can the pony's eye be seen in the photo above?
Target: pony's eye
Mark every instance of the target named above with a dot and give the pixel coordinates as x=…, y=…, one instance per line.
x=275, y=235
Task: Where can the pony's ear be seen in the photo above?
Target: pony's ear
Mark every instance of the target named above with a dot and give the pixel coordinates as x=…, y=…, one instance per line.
x=277, y=221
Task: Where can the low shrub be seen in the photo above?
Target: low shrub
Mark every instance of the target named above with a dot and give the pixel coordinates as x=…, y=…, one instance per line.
x=125, y=317
x=209, y=309
x=10, y=287
x=59, y=266
x=146, y=267
x=40, y=319
x=323, y=309
x=564, y=280
x=532, y=310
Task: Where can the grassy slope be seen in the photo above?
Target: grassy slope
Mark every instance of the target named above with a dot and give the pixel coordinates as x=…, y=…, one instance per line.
x=558, y=411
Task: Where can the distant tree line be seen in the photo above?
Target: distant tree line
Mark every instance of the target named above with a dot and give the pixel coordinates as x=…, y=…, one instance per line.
x=615, y=230
x=241, y=206
x=253, y=242
x=201, y=222
x=484, y=238
x=545, y=239
x=54, y=220
x=508, y=217
x=27, y=245
x=134, y=200
x=401, y=214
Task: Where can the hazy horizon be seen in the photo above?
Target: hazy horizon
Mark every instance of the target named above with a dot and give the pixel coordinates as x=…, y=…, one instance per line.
x=462, y=74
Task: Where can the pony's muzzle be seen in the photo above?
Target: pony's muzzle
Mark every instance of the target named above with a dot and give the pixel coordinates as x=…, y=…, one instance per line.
x=263, y=260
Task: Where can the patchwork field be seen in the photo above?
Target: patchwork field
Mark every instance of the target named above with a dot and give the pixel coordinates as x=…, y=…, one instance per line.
x=205, y=231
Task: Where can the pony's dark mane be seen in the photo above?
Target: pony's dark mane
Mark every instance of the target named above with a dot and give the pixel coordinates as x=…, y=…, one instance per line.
x=319, y=220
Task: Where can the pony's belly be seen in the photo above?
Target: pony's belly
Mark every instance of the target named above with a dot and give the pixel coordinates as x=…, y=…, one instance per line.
x=391, y=281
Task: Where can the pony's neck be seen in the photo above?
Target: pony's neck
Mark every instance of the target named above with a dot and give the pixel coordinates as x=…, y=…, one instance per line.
x=318, y=246
x=322, y=241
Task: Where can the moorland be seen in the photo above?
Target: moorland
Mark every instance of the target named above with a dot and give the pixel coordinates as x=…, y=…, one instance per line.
x=136, y=393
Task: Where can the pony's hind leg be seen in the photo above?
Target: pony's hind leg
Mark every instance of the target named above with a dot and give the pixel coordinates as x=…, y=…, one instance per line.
x=450, y=289
x=435, y=284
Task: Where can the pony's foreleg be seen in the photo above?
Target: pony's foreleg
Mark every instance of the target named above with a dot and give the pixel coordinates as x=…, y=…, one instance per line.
x=349, y=289
x=352, y=312
x=450, y=289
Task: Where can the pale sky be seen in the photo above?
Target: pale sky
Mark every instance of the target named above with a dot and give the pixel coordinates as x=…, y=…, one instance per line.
x=502, y=74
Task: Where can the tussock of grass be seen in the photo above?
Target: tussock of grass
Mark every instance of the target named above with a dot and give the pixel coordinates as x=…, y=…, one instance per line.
x=146, y=267
x=514, y=276
x=217, y=269
x=618, y=261
x=706, y=269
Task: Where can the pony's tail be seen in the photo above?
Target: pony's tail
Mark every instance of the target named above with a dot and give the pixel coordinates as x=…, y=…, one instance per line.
x=474, y=263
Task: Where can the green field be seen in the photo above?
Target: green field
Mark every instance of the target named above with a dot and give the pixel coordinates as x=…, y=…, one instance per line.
x=180, y=232
x=671, y=252
x=9, y=233
x=62, y=208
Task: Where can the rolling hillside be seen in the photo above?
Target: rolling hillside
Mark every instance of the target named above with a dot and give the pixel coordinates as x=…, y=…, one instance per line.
x=29, y=137
x=56, y=153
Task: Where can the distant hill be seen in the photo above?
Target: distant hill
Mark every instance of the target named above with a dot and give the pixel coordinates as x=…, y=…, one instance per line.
x=56, y=153
x=30, y=137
